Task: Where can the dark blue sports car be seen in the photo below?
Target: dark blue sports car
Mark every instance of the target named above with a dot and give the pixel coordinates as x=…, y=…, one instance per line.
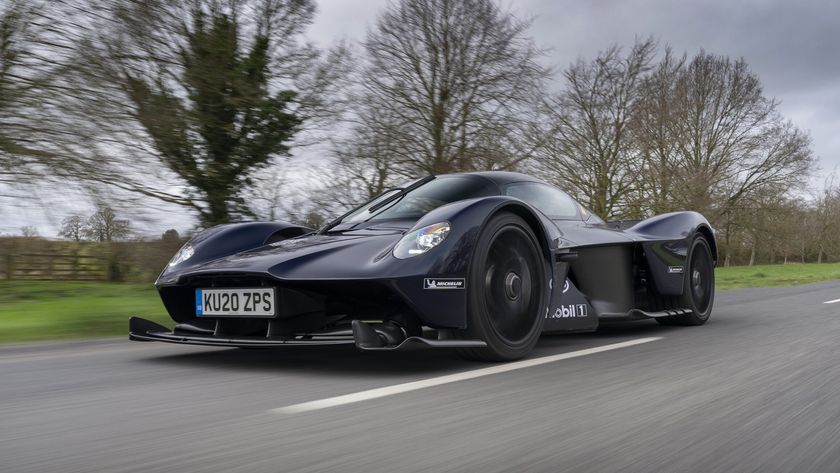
x=480, y=262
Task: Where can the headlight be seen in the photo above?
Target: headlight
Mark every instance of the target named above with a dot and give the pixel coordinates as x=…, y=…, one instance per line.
x=182, y=255
x=421, y=241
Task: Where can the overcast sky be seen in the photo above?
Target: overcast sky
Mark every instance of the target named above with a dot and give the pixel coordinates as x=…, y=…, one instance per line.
x=792, y=46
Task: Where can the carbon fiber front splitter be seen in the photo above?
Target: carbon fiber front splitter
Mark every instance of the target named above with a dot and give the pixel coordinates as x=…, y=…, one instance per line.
x=362, y=336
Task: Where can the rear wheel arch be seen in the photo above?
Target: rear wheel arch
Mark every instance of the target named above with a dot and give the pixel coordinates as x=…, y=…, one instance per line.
x=710, y=239
x=691, y=298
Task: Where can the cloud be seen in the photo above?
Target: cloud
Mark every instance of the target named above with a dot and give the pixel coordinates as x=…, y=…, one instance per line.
x=792, y=46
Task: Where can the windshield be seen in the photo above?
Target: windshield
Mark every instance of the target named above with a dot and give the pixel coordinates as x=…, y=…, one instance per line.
x=553, y=202
x=418, y=202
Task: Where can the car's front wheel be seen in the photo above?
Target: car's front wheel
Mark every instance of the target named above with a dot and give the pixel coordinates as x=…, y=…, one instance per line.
x=506, y=291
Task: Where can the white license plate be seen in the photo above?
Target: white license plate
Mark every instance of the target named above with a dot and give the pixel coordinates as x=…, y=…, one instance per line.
x=256, y=302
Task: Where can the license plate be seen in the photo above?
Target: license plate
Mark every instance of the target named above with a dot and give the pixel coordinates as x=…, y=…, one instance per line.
x=256, y=302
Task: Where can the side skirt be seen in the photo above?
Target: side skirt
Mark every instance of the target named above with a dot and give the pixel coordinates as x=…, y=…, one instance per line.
x=638, y=314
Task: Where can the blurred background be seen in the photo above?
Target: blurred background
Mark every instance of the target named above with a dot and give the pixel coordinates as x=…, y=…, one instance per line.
x=127, y=126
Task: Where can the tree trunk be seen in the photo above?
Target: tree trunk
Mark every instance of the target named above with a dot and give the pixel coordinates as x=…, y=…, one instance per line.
x=727, y=260
x=217, y=211
x=752, y=254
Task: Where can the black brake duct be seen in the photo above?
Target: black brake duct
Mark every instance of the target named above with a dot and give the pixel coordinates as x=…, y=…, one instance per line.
x=389, y=336
x=377, y=335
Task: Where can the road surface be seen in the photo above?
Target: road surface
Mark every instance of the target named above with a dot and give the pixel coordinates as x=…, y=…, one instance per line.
x=756, y=389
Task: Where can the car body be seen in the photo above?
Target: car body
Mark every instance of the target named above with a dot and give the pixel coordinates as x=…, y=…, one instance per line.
x=482, y=262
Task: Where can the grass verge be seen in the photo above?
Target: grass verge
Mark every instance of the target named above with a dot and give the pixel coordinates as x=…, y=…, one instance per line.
x=42, y=310
x=737, y=277
x=48, y=310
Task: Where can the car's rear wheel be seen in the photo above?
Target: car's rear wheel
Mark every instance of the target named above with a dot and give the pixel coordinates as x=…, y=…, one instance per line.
x=698, y=286
x=506, y=291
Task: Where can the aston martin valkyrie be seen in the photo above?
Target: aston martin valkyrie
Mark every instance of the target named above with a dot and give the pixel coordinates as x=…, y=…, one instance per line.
x=479, y=262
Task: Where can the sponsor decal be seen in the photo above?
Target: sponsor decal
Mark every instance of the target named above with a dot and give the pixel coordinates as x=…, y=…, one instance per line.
x=443, y=283
x=565, y=286
x=569, y=311
x=675, y=269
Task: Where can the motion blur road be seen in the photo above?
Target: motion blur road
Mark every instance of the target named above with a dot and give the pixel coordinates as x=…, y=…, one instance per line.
x=756, y=389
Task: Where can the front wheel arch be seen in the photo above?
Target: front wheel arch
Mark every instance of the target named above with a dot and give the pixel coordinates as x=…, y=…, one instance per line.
x=533, y=222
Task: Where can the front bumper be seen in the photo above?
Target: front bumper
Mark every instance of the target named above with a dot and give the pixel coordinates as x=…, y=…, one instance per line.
x=365, y=336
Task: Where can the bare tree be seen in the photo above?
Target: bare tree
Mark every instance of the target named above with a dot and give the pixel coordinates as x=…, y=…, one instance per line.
x=73, y=228
x=15, y=39
x=731, y=136
x=366, y=161
x=730, y=140
x=751, y=226
x=33, y=59
x=267, y=195
x=653, y=127
x=590, y=150
x=826, y=228
x=104, y=225
x=455, y=80
x=29, y=231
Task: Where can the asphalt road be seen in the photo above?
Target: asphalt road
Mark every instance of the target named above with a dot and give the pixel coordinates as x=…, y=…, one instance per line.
x=756, y=389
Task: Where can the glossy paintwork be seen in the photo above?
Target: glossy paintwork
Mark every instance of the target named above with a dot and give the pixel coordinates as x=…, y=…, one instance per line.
x=603, y=271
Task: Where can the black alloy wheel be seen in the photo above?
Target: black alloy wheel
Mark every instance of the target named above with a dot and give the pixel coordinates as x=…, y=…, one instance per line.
x=506, y=290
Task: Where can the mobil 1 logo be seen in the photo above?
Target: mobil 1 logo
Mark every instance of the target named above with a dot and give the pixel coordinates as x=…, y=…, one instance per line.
x=569, y=311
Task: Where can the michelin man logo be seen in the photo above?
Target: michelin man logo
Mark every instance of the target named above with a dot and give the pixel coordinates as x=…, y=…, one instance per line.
x=443, y=283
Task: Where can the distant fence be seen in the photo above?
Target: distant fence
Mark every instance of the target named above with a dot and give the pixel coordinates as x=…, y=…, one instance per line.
x=70, y=266
x=39, y=258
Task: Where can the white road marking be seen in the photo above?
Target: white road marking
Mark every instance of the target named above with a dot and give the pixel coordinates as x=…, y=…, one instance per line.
x=427, y=383
x=831, y=302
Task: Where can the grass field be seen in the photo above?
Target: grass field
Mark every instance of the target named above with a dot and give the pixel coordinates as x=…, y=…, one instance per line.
x=44, y=310
x=40, y=310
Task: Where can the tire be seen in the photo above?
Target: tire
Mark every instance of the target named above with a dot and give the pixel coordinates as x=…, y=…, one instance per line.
x=506, y=287
x=698, y=287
